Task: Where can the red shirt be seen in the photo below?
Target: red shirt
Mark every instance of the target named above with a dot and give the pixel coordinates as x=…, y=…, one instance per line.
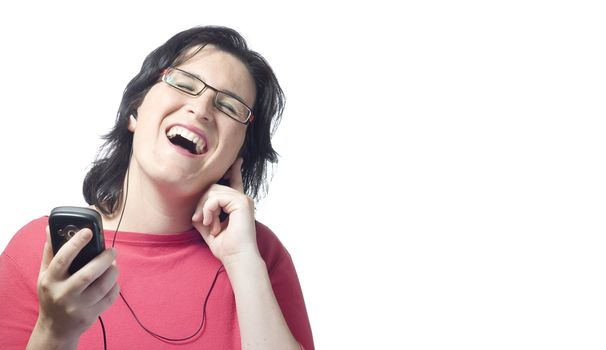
x=164, y=278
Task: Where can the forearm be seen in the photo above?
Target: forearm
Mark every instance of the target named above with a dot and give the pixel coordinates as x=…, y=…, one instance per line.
x=42, y=338
x=262, y=324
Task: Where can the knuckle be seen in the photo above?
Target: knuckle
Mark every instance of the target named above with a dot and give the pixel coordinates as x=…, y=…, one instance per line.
x=72, y=312
x=87, y=278
x=52, y=294
x=61, y=300
x=44, y=285
x=61, y=261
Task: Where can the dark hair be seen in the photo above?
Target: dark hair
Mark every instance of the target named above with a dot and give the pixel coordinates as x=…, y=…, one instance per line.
x=104, y=182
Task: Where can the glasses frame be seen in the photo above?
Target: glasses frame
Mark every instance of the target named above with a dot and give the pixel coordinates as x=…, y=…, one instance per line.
x=248, y=120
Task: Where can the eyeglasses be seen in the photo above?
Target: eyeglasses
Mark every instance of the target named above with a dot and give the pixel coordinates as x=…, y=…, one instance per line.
x=190, y=84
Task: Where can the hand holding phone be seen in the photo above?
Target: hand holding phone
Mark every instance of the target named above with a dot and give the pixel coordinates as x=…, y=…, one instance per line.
x=65, y=222
x=72, y=290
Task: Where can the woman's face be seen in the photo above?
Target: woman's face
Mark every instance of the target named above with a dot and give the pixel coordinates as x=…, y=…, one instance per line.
x=167, y=117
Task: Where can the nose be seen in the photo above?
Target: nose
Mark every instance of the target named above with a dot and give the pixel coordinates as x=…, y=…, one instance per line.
x=202, y=106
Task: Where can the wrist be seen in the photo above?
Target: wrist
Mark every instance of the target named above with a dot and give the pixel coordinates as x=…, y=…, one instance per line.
x=244, y=261
x=43, y=337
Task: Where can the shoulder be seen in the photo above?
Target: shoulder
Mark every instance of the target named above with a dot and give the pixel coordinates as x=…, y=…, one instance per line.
x=270, y=247
x=25, y=248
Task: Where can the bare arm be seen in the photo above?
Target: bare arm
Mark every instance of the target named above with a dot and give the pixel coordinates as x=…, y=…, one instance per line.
x=262, y=325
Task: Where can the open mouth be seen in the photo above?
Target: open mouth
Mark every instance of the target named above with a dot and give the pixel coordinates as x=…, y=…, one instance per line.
x=191, y=142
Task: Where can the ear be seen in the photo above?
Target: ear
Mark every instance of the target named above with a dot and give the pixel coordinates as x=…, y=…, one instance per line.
x=132, y=123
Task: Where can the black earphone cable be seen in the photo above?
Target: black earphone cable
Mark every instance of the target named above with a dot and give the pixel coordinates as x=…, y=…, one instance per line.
x=158, y=336
x=103, y=329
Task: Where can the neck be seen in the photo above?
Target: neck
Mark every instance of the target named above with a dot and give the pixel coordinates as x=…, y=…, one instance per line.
x=150, y=208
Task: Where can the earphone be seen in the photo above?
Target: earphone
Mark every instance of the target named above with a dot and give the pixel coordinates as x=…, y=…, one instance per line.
x=157, y=336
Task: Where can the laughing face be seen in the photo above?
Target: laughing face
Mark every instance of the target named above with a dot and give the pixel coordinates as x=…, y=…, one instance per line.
x=185, y=143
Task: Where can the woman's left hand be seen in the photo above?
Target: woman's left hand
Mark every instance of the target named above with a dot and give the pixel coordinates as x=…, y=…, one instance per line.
x=235, y=238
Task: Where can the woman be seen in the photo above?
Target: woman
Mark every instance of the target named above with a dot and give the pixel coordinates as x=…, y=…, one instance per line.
x=191, y=140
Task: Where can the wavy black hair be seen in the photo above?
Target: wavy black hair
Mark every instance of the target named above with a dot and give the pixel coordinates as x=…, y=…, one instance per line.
x=103, y=183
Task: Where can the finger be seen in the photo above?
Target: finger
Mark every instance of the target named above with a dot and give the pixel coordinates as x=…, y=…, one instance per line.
x=235, y=175
x=216, y=229
x=210, y=211
x=204, y=232
x=198, y=212
x=47, y=253
x=197, y=216
x=107, y=300
x=61, y=262
x=101, y=286
x=84, y=277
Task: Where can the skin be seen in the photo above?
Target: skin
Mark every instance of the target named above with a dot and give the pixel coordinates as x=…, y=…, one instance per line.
x=69, y=305
x=171, y=192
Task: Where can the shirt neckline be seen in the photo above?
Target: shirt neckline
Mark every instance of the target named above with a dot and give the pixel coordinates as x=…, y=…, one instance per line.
x=163, y=238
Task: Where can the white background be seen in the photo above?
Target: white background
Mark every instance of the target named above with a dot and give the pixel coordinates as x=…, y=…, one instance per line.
x=442, y=180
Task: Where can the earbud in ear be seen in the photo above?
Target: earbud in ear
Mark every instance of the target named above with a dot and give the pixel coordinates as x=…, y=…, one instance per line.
x=132, y=122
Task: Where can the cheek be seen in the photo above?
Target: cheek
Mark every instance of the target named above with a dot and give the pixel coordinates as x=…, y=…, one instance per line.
x=158, y=99
x=238, y=138
x=234, y=139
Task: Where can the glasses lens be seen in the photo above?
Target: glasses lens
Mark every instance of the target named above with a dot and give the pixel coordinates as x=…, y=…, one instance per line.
x=232, y=107
x=183, y=81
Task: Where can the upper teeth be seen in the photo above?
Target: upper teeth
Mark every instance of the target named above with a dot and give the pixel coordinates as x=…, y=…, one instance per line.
x=197, y=140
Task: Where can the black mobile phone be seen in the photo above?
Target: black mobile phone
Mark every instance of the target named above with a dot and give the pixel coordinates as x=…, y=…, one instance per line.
x=63, y=224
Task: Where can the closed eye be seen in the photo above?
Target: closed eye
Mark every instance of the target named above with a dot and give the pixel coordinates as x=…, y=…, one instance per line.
x=228, y=107
x=185, y=87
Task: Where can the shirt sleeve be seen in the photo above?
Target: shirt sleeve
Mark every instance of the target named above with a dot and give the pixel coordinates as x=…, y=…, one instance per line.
x=289, y=295
x=19, y=269
x=18, y=305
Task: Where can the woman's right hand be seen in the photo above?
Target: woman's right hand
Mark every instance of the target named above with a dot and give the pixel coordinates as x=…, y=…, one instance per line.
x=70, y=304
